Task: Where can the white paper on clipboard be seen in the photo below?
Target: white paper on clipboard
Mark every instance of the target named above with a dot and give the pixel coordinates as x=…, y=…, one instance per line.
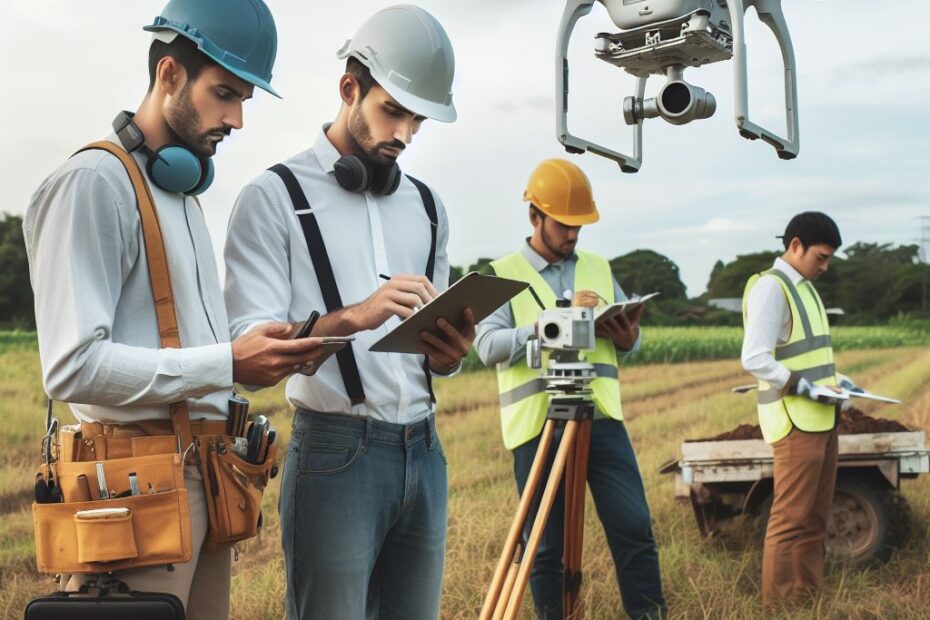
x=860, y=393
x=608, y=312
x=483, y=294
x=818, y=391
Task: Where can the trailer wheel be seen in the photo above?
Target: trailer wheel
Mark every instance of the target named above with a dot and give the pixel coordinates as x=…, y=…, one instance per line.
x=867, y=521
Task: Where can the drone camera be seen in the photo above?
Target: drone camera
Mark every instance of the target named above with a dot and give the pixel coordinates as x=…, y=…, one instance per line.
x=678, y=102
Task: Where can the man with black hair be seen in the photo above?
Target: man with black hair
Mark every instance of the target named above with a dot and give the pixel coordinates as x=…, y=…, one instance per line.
x=98, y=327
x=787, y=348
x=339, y=229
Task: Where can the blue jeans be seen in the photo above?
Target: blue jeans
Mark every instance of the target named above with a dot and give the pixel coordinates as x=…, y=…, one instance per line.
x=363, y=518
x=620, y=499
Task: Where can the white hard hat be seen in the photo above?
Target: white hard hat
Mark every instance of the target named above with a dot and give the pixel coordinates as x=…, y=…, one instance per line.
x=410, y=56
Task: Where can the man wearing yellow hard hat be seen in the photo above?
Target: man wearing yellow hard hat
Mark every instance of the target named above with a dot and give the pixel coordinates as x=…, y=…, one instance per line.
x=561, y=202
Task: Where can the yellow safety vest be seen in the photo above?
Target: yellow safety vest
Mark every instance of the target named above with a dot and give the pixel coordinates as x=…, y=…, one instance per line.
x=808, y=353
x=523, y=399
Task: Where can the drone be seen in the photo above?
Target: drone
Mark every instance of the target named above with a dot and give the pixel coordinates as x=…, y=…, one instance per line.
x=665, y=37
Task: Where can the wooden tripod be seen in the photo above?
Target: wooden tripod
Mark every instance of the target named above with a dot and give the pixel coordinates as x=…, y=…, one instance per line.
x=512, y=575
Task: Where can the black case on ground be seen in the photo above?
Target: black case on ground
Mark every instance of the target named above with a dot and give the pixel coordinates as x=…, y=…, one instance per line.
x=120, y=605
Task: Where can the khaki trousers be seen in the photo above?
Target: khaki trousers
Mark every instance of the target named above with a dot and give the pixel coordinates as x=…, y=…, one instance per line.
x=805, y=477
x=202, y=584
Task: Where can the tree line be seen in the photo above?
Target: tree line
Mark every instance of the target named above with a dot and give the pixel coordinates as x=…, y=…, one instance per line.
x=873, y=283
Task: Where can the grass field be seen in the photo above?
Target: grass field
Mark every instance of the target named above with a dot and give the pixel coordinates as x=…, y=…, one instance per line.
x=663, y=405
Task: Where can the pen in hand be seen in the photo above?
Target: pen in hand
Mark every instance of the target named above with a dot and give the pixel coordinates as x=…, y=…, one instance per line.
x=387, y=278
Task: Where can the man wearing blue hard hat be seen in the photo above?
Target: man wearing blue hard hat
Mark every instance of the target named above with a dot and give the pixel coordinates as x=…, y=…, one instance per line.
x=339, y=229
x=98, y=260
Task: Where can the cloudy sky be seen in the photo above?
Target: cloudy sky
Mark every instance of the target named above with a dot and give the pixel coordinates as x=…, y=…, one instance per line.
x=703, y=194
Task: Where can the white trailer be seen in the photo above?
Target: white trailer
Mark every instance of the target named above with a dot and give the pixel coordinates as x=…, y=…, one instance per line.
x=724, y=479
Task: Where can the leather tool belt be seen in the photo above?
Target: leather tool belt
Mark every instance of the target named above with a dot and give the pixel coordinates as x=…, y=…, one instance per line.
x=102, y=441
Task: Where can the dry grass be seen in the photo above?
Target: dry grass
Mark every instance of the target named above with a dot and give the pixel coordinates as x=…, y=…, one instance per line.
x=664, y=405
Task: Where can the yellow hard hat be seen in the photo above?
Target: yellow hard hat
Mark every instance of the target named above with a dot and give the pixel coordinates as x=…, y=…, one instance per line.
x=561, y=190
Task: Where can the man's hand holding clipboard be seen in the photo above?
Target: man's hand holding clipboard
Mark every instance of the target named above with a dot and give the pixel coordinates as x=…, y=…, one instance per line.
x=450, y=318
x=403, y=295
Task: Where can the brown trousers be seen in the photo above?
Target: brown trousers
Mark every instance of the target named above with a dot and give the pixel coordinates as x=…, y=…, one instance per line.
x=805, y=477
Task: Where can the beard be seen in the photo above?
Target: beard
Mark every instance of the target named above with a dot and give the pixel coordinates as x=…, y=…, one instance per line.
x=562, y=251
x=184, y=122
x=360, y=131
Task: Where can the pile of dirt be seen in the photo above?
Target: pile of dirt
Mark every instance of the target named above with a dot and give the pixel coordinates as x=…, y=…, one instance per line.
x=743, y=431
x=852, y=422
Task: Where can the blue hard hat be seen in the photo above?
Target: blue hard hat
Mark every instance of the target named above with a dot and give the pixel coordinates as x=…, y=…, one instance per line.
x=239, y=35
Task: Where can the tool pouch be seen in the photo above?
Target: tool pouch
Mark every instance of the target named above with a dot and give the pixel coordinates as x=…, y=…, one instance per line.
x=234, y=489
x=126, y=531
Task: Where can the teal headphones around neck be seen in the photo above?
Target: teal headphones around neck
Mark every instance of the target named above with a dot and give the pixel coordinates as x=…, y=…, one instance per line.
x=174, y=167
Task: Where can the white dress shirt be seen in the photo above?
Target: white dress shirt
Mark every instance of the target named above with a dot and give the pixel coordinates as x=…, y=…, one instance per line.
x=98, y=334
x=768, y=322
x=270, y=276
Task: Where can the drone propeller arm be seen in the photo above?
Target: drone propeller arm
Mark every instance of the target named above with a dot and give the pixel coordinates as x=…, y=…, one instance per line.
x=770, y=13
x=575, y=10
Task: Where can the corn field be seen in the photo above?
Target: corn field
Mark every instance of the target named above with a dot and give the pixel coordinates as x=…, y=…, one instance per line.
x=673, y=345
x=668, y=345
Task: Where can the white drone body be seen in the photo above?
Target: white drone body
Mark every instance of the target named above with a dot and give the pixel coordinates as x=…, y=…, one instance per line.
x=664, y=37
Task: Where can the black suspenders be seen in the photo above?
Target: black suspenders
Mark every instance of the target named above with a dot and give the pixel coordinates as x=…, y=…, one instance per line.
x=348, y=367
x=430, y=205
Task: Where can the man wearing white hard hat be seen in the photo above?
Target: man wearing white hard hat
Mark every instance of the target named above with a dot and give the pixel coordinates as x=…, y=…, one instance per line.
x=339, y=229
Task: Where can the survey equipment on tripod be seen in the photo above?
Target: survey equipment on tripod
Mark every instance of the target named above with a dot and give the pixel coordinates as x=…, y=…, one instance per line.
x=664, y=37
x=562, y=333
x=564, y=328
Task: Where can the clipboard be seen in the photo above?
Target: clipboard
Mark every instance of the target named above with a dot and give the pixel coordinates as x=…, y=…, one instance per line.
x=483, y=294
x=608, y=312
x=822, y=392
x=858, y=392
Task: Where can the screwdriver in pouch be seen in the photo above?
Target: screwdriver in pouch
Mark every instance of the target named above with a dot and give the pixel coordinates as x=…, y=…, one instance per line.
x=102, y=481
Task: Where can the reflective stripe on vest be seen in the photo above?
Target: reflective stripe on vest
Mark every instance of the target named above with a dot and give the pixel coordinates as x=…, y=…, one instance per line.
x=523, y=399
x=807, y=354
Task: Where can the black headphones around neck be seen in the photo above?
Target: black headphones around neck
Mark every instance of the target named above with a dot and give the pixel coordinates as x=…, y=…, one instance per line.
x=359, y=175
x=174, y=167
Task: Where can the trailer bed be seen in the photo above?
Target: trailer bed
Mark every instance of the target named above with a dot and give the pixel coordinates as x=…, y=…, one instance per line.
x=747, y=460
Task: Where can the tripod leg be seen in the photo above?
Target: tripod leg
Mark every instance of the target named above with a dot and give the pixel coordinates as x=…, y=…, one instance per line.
x=574, y=522
x=509, y=580
x=502, y=583
x=566, y=447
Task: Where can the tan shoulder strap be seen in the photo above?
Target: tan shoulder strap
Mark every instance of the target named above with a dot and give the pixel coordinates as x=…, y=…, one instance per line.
x=158, y=274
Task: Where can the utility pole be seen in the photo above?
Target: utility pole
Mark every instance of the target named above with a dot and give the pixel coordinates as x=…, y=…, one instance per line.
x=924, y=239
x=924, y=256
